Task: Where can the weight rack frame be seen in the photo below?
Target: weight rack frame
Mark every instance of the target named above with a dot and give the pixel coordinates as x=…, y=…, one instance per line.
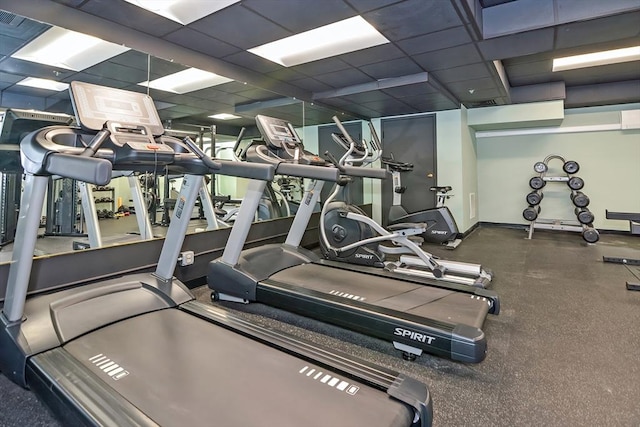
x=556, y=224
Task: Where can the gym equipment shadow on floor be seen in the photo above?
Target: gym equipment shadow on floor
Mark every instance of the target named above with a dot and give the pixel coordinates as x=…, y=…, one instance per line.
x=563, y=350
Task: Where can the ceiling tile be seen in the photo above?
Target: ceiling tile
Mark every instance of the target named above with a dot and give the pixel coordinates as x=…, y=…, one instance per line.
x=434, y=41
x=252, y=62
x=344, y=78
x=10, y=78
x=32, y=69
x=372, y=55
x=20, y=100
x=598, y=30
x=23, y=29
x=389, y=107
x=362, y=110
x=412, y=18
x=240, y=27
x=101, y=80
x=311, y=85
x=131, y=16
x=133, y=59
x=602, y=74
x=393, y=68
x=298, y=16
x=579, y=10
x=321, y=66
x=286, y=74
x=464, y=72
x=200, y=42
x=449, y=58
x=367, y=5
x=519, y=44
x=118, y=72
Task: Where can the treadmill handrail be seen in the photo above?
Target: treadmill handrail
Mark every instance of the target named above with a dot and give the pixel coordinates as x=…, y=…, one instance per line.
x=86, y=169
x=376, y=173
x=323, y=173
x=36, y=147
x=288, y=167
x=246, y=170
x=232, y=168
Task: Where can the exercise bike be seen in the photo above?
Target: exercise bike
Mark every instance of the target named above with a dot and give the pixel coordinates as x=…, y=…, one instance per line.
x=348, y=235
x=441, y=226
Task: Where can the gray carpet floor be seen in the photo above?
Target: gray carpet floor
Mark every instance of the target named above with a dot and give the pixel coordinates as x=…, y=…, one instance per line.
x=564, y=351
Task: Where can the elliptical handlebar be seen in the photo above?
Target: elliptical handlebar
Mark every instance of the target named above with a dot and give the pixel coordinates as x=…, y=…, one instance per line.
x=208, y=161
x=367, y=152
x=238, y=156
x=375, y=141
x=396, y=165
x=342, y=129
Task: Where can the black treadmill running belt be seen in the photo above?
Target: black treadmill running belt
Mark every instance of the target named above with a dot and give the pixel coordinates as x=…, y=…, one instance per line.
x=183, y=371
x=420, y=300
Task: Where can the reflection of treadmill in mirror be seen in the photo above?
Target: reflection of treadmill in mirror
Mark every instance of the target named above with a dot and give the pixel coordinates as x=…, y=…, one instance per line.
x=139, y=349
x=15, y=124
x=416, y=315
x=205, y=206
x=133, y=121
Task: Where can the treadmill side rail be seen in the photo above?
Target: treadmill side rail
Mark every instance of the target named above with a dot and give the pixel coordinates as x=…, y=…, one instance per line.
x=399, y=386
x=58, y=377
x=455, y=341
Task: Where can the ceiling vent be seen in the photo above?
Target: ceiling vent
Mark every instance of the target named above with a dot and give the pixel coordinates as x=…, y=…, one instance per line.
x=10, y=19
x=485, y=103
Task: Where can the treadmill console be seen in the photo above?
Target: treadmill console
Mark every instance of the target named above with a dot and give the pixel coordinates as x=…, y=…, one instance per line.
x=282, y=137
x=130, y=117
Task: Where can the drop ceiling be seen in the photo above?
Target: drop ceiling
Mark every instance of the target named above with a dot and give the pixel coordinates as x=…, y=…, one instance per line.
x=442, y=54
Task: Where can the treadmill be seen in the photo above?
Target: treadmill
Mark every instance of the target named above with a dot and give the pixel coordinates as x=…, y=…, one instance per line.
x=138, y=349
x=416, y=315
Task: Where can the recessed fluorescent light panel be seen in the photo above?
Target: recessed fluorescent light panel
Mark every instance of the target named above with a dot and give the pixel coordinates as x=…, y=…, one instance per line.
x=67, y=49
x=323, y=42
x=183, y=11
x=186, y=81
x=597, y=58
x=225, y=116
x=43, y=84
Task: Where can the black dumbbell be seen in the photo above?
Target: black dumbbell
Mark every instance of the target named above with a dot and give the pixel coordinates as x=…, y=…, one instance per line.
x=571, y=167
x=575, y=183
x=584, y=215
x=537, y=183
x=534, y=198
x=540, y=167
x=580, y=199
x=531, y=213
x=590, y=235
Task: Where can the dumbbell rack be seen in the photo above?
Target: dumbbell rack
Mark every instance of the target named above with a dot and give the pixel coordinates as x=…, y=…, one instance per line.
x=584, y=222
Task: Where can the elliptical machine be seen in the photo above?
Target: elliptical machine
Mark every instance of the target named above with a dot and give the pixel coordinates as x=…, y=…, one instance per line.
x=348, y=235
x=441, y=226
